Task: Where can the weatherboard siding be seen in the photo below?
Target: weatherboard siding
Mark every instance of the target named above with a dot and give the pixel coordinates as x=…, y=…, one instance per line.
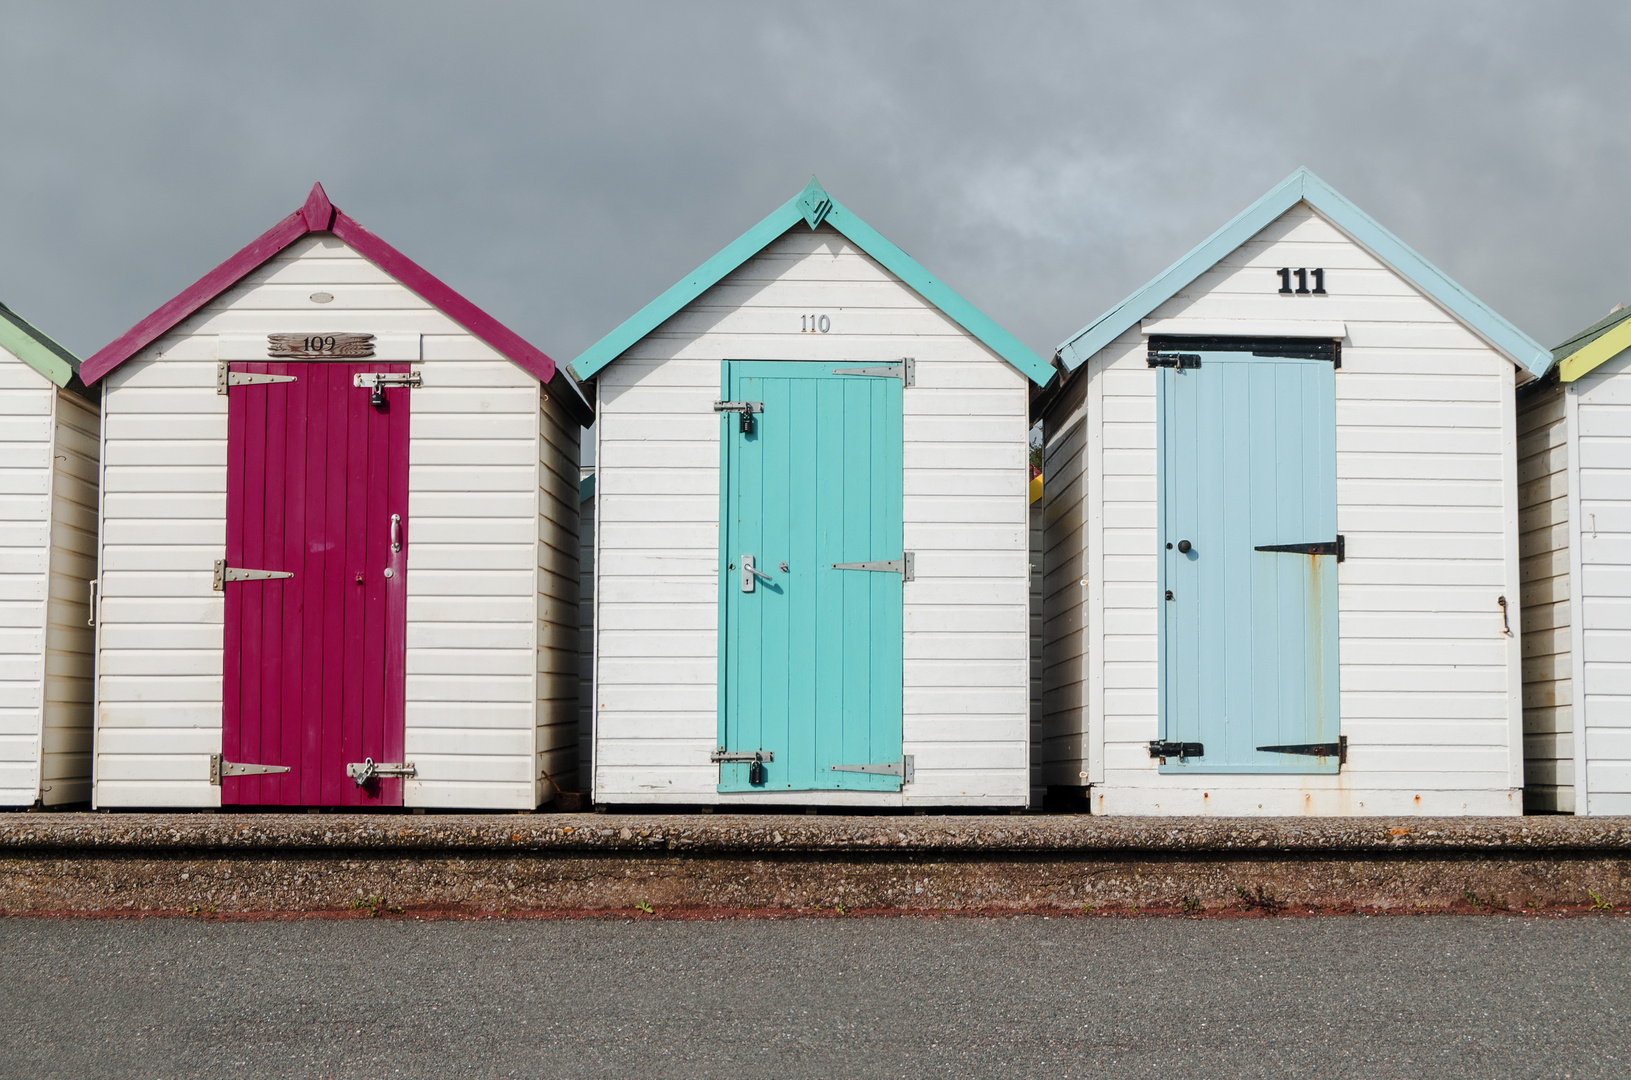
x=586, y=643
x=1426, y=490
x=966, y=616
x=1065, y=506
x=1603, y=438
x=477, y=550
x=65, y=756
x=1543, y=539
x=27, y=419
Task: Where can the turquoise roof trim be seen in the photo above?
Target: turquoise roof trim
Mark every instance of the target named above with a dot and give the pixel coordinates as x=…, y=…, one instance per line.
x=812, y=206
x=22, y=339
x=1304, y=186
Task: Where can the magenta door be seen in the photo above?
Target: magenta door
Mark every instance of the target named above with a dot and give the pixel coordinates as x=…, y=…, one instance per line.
x=317, y=486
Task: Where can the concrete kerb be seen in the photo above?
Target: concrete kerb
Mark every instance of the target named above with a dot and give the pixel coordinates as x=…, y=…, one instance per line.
x=244, y=864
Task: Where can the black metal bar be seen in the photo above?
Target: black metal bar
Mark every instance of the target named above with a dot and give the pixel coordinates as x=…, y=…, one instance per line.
x=1174, y=360
x=1338, y=749
x=1335, y=547
x=1162, y=748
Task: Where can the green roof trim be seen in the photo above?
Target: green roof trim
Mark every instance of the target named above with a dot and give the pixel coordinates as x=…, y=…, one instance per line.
x=1304, y=186
x=30, y=345
x=586, y=488
x=812, y=206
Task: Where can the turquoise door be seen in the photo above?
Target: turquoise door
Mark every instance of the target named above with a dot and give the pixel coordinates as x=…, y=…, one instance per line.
x=810, y=655
x=1249, y=633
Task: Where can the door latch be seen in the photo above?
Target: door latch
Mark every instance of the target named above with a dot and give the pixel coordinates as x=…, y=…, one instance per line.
x=377, y=381
x=1163, y=749
x=1181, y=361
x=750, y=572
x=744, y=411
x=753, y=759
x=368, y=769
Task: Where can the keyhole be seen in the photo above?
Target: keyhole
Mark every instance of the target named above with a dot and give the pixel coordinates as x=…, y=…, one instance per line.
x=359, y=579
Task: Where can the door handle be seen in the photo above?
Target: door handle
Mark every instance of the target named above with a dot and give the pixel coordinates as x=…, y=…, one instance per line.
x=749, y=572
x=396, y=532
x=1183, y=547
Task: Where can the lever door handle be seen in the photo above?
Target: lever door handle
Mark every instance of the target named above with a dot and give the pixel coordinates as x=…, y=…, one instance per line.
x=750, y=572
x=396, y=532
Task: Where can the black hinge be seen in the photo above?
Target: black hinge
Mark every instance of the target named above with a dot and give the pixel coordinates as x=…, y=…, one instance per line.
x=1338, y=749
x=1337, y=547
x=1161, y=748
x=1174, y=360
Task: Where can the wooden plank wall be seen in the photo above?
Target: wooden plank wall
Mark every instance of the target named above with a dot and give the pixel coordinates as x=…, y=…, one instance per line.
x=1426, y=487
x=69, y=640
x=27, y=411
x=559, y=552
x=1543, y=541
x=657, y=490
x=474, y=577
x=1603, y=422
x=586, y=644
x=1039, y=787
x=1066, y=711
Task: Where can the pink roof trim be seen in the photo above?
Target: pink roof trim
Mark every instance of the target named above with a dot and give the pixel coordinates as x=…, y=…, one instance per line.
x=320, y=215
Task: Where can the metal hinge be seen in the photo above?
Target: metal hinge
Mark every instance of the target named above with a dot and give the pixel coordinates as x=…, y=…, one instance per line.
x=368, y=769
x=1163, y=749
x=905, y=566
x=744, y=411
x=902, y=768
x=904, y=369
x=1338, y=749
x=1338, y=547
x=220, y=767
x=1174, y=360
x=225, y=377
x=225, y=573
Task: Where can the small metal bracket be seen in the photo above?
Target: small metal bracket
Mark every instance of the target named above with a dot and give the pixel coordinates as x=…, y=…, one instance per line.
x=219, y=767
x=905, y=566
x=721, y=756
x=225, y=574
x=744, y=413
x=1163, y=749
x=368, y=769
x=904, y=369
x=904, y=768
x=1180, y=361
x=225, y=377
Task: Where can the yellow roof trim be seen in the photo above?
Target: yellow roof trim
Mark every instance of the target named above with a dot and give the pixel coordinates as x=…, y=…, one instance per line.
x=1036, y=488
x=1601, y=351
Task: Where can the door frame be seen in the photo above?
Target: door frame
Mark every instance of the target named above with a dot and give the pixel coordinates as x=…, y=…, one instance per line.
x=1325, y=349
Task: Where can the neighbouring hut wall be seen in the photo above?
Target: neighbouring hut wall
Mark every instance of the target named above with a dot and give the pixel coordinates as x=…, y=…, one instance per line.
x=70, y=642
x=559, y=552
x=1543, y=543
x=27, y=418
x=657, y=518
x=1426, y=490
x=1065, y=705
x=1039, y=787
x=586, y=641
x=473, y=689
x=1602, y=436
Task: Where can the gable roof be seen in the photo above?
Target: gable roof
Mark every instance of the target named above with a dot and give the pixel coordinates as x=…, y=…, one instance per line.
x=29, y=344
x=1595, y=345
x=813, y=206
x=1304, y=186
x=320, y=215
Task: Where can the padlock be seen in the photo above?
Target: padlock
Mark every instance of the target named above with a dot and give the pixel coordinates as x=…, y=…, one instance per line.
x=756, y=773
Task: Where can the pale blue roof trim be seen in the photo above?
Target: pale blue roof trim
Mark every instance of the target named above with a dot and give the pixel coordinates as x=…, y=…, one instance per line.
x=1303, y=185
x=813, y=206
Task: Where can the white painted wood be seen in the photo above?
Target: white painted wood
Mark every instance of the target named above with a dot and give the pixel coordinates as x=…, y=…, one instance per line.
x=492, y=548
x=1543, y=504
x=1427, y=500
x=657, y=532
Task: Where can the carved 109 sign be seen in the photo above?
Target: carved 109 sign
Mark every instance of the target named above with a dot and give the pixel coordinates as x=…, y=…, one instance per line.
x=1301, y=273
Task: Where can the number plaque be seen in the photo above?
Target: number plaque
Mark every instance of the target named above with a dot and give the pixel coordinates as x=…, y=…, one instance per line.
x=319, y=346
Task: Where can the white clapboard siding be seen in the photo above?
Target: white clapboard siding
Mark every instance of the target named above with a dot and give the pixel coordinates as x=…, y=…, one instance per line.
x=586, y=641
x=1602, y=532
x=1543, y=539
x=27, y=430
x=69, y=640
x=657, y=531
x=1426, y=485
x=486, y=586
x=1039, y=784
x=1065, y=591
x=558, y=609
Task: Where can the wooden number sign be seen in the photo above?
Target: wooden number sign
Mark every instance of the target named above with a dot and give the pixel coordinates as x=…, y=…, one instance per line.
x=319, y=346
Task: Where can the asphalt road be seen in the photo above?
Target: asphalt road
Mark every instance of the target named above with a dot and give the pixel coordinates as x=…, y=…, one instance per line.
x=1093, y=997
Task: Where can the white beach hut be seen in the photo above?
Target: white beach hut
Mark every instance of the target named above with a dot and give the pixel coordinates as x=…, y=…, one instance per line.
x=1282, y=532
x=811, y=532
x=339, y=555
x=1574, y=477
x=48, y=439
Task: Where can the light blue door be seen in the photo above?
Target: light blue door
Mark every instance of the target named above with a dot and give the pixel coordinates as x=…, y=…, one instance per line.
x=810, y=655
x=1249, y=633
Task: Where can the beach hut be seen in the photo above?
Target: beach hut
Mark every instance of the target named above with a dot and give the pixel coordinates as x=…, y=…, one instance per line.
x=811, y=532
x=1574, y=476
x=339, y=540
x=47, y=562
x=1282, y=550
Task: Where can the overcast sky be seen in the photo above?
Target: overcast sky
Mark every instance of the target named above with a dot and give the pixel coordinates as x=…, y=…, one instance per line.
x=563, y=164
